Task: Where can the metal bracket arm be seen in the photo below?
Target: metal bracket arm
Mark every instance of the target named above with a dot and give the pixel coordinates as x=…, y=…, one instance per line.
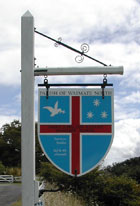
x=58, y=42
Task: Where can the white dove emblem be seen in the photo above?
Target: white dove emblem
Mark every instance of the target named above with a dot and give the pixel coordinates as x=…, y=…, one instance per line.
x=54, y=111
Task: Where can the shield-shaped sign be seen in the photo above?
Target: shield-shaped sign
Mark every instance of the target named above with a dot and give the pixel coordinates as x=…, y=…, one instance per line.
x=76, y=127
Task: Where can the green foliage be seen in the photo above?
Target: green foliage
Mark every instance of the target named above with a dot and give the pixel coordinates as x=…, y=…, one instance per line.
x=116, y=191
x=40, y=157
x=53, y=175
x=97, y=187
x=2, y=169
x=129, y=168
x=10, y=146
x=85, y=186
x=117, y=185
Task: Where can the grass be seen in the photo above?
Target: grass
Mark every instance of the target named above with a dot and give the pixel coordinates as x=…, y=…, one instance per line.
x=62, y=199
x=59, y=199
x=18, y=203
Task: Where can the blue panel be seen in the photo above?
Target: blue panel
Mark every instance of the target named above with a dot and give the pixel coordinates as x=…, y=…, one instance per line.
x=57, y=148
x=97, y=110
x=47, y=106
x=94, y=148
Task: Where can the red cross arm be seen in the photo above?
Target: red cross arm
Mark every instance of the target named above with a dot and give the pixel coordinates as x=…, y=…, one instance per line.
x=71, y=129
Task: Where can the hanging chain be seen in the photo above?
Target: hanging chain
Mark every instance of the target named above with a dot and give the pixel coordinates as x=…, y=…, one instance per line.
x=105, y=79
x=45, y=80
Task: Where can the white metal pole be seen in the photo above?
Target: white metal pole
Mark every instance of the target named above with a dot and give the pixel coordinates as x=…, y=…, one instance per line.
x=27, y=101
x=96, y=70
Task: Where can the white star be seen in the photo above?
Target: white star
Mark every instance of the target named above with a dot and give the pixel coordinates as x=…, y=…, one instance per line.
x=89, y=115
x=96, y=102
x=104, y=114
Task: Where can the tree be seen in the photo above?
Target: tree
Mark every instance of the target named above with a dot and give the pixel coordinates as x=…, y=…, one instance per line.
x=118, y=191
x=40, y=157
x=97, y=187
x=10, y=145
x=129, y=168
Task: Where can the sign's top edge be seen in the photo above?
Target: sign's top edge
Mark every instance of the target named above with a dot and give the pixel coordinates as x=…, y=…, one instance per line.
x=76, y=92
x=76, y=89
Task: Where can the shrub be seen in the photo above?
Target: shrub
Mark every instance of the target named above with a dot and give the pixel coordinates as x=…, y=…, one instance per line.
x=15, y=171
x=97, y=187
x=2, y=169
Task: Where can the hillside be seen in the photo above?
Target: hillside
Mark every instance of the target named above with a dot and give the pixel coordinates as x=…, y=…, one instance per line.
x=129, y=168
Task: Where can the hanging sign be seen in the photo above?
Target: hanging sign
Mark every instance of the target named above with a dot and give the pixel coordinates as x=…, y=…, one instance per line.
x=76, y=127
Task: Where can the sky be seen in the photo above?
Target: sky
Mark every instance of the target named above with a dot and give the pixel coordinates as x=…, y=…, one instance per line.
x=111, y=29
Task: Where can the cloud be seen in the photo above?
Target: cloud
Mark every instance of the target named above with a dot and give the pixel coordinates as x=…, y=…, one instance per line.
x=6, y=119
x=10, y=104
x=126, y=141
x=132, y=79
x=127, y=106
x=110, y=27
x=122, y=30
x=74, y=22
x=10, y=67
x=133, y=98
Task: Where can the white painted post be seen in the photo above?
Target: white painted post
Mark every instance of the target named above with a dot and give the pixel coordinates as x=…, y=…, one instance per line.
x=27, y=98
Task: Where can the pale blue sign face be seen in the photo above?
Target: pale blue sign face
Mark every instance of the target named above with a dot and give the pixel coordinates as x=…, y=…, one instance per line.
x=76, y=127
x=47, y=116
